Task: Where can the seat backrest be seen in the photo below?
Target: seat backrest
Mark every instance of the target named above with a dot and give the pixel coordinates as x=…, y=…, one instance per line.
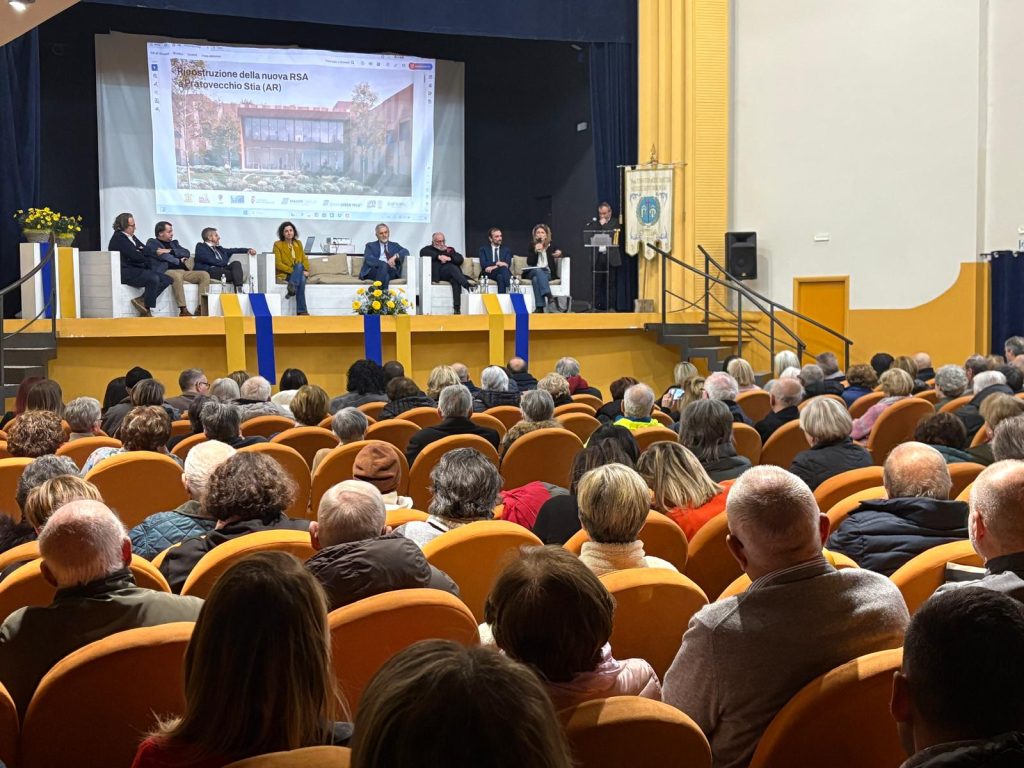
x=266, y=426
x=27, y=551
x=365, y=634
x=215, y=562
x=136, y=674
x=181, y=427
x=965, y=494
x=653, y=607
x=307, y=757
x=645, y=438
x=337, y=466
x=931, y=395
x=546, y=455
x=10, y=473
x=9, y=728
x=784, y=444
x=747, y=441
x=575, y=408
x=397, y=517
x=291, y=462
x=373, y=409
x=955, y=404
x=182, y=447
x=307, y=441
x=842, y=508
x=419, y=472
x=662, y=418
x=814, y=727
x=895, y=425
x=580, y=424
x=474, y=554
x=838, y=487
x=919, y=577
x=862, y=404
x=138, y=483
x=980, y=437
x=633, y=731
x=509, y=415
x=78, y=450
x=424, y=416
x=486, y=420
x=398, y=432
x=963, y=473
x=756, y=403
x=660, y=535
x=709, y=562
x=592, y=400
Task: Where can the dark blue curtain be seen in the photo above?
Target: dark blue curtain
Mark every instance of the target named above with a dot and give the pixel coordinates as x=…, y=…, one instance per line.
x=613, y=109
x=19, y=148
x=1007, y=283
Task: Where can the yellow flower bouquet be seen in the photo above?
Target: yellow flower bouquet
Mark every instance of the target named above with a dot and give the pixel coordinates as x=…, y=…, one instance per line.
x=37, y=223
x=378, y=301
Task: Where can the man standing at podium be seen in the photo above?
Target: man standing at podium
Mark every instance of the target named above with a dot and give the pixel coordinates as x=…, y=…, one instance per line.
x=496, y=260
x=382, y=259
x=605, y=258
x=445, y=267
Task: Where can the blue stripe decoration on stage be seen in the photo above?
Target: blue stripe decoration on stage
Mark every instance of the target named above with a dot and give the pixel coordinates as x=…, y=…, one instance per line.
x=46, y=276
x=371, y=339
x=264, y=337
x=522, y=325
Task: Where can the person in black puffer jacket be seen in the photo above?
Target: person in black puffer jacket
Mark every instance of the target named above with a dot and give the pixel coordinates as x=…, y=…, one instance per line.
x=516, y=370
x=404, y=395
x=494, y=390
x=827, y=424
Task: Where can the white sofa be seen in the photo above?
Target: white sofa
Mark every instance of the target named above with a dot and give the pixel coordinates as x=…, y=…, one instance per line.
x=437, y=297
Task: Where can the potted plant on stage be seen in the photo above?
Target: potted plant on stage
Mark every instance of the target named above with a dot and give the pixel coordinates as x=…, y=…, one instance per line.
x=37, y=223
x=376, y=300
x=66, y=228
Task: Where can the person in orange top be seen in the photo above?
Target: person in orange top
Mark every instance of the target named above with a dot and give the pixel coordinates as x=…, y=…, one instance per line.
x=681, y=488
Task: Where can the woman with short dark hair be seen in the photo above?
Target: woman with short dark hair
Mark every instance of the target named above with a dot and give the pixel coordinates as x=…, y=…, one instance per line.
x=705, y=427
x=291, y=265
x=404, y=394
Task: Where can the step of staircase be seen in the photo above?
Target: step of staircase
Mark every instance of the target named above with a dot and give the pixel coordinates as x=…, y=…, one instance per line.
x=693, y=341
x=25, y=355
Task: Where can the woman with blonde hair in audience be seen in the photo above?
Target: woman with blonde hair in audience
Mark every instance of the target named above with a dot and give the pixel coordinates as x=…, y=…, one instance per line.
x=54, y=494
x=144, y=428
x=550, y=612
x=743, y=372
x=261, y=642
x=494, y=712
x=310, y=405
x=538, y=410
x=557, y=386
x=682, y=489
x=827, y=424
x=46, y=396
x=683, y=372
x=614, y=501
x=995, y=409
x=908, y=364
x=896, y=384
x=440, y=377
x=705, y=427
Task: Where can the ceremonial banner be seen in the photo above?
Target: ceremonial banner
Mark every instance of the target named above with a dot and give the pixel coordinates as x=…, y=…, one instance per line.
x=648, y=209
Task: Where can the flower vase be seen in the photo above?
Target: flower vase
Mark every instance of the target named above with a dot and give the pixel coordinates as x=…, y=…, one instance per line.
x=65, y=241
x=36, y=235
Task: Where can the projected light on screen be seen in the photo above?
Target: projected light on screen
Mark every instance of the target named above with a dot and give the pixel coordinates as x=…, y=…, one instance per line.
x=262, y=132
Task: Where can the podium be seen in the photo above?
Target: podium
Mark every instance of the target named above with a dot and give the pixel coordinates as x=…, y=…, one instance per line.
x=603, y=248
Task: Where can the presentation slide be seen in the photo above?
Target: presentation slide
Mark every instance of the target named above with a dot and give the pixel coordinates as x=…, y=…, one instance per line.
x=291, y=133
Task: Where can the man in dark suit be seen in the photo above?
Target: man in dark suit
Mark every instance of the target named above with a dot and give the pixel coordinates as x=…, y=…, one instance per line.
x=496, y=260
x=212, y=258
x=136, y=270
x=785, y=397
x=455, y=406
x=445, y=266
x=382, y=259
x=166, y=255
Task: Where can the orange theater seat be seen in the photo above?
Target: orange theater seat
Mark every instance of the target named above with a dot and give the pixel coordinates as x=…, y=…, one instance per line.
x=486, y=420
x=398, y=432
x=215, y=562
x=78, y=450
x=337, y=466
x=182, y=448
x=509, y=415
x=838, y=487
x=9, y=728
x=895, y=425
x=756, y=403
x=424, y=416
x=138, y=483
x=546, y=455
x=307, y=757
x=580, y=424
x=645, y=438
x=372, y=410
x=266, y=426
x=307, y=441
x=919, y=577
x=575, y=408
x=591, y=400
x=10, y=473
x=784, y=444
x=747, y=442
x=709, y=562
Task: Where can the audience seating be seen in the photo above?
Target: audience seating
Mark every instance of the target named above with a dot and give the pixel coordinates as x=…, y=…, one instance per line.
x=841, y=719
x=138, y=483
x=747, y=442
x=980, y=438
x=965, y=494
x=9, y=728
x=837, y=488
x=841, y=509
x=266, y=426
x=741, y=584
x=633, y=731
x=862, y=404
x=575, y=408
x=308, y=757
x=709, y=562
x=397, y=432
x=307, y=441
x=954, y=405
x=105, y=697
x=486, y=420
x=27, y=551
x=419, y=472
x=895, y=425
x=963, y=474
x=182, y=448
x=474, y=554
x=544, y=454
x=837, y=398
x=10, y=473
x=296, y=468
x=784, y=444
x=592, y=400
x=660, y=535
x=756, y=403
x=922, y=575
x=4, y=453
x=365, y=634
x=931, y=395
x=337, y=466
x=372, y=410
x=181, y=427
x=424, y=416
x=645, y=438
x=662, y=418
x=509, y=415
x=215, y=562
x=580, y=424
x=78, y=450
x=653, y=607
x=397, y=517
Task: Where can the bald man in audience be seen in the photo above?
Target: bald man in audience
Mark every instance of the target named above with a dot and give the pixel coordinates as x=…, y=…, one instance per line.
x=743, y=658
x=464, y=378
x=883, y=534
x=785, y=397
x=86, y=555
x=923, y=361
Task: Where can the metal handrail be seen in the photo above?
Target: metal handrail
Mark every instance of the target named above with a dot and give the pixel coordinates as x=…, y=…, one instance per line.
x=49, y=304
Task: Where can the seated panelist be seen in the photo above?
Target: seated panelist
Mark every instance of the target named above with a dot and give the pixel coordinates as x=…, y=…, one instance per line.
x=496, y=260
x=382, y=258
x=212, y=258
x=291, y=264
x=166, y=255
x=136, y=270
x=542, y=265
x=445, y=266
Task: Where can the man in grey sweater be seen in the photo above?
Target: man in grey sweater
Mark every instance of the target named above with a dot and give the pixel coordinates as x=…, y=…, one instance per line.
x=744, y=657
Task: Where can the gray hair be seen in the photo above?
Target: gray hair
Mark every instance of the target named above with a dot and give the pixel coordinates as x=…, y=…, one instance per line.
x=721, y=386
x=82, y=413
x=790, y=373
x=200, y=463
x=1007, y=442
x=554, y=384
x=225, y=389
x=786, y=359
x=916, y=470
x=788, y=391
x=773, y=513
x=38, y=471
x=352, y=510
x=537, y=405
x=187, y=379
x=638, y=402
x=997, y=496
x=465, y=485
x=812, y=374
x=461, y=371
x=568, y=366
x=350, y=424
x=494, y=378
x=81, y=542
x=951, y=380
x=826, y=420
x=256, y=388
x=455, y=401
x=221, y=421
x=922, y=360
x=987, y=379
x=1014, y=345
x=828, y=362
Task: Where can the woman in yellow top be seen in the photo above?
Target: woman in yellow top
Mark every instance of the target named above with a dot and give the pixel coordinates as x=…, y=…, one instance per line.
x=291, y=264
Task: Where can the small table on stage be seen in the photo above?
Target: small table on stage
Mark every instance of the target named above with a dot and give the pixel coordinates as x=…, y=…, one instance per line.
x=476, y=303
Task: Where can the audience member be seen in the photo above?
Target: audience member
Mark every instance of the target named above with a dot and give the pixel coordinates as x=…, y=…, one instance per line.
x=463, y=373
x=379, y=465
x=1013, y=347
x=349, y=425
x=784, y=399
x=404, y=394
x=272, y=662
x=722, y=386
x=357, y=554
x=115, y=392
x=195, y=419
x=994, y=361
x=705, y=427
x=637, y=407
x=83, y=417
x=494, y=390
x=113, y=414
x=145, y=428
x=827, y=425
x=239, y=377
x=398, y=723
x=549, y=611
x=455, y=407
x=20, y=399
x=683, y=372
x=150, y=392
x=1008, y=441
x=814, y=382
x=783, y=360
x=974, y=365
x=1014, y=377
x=440, y=377
x=292, y=379
x=829, y=364
x=392, y=370
x=46, y=396
x=225, y=390
x=860, y=380
x=35, y=433
x=364, y=384
x=896, y=384
x=249, y=492
x=610, y=411
x=309, y=406
x=743, y=373
x=882, y=362
x=945, y=433
x=223, y=422
x=811, y=616
x=996, y=409
x=959, y=699
x=538, y=413
x=923, y=361
x=466, y=486
x=85, y=555
x=517, y=371
x=906, y=363
x=883, y=534
x=950, y=383
x=985, y=384
x=35, y=473
x=556, y=386
x=569, y=367
x=192, y=382
x=682, y=489
x=254, y=399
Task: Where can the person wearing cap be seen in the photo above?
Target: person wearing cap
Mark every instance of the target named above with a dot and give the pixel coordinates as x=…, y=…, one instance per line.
x=378, y=464
x=115, y=414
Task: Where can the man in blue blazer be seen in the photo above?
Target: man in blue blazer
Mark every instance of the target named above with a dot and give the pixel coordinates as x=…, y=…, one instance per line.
x=496, y=260
x=382, y=259
x=212, y=258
